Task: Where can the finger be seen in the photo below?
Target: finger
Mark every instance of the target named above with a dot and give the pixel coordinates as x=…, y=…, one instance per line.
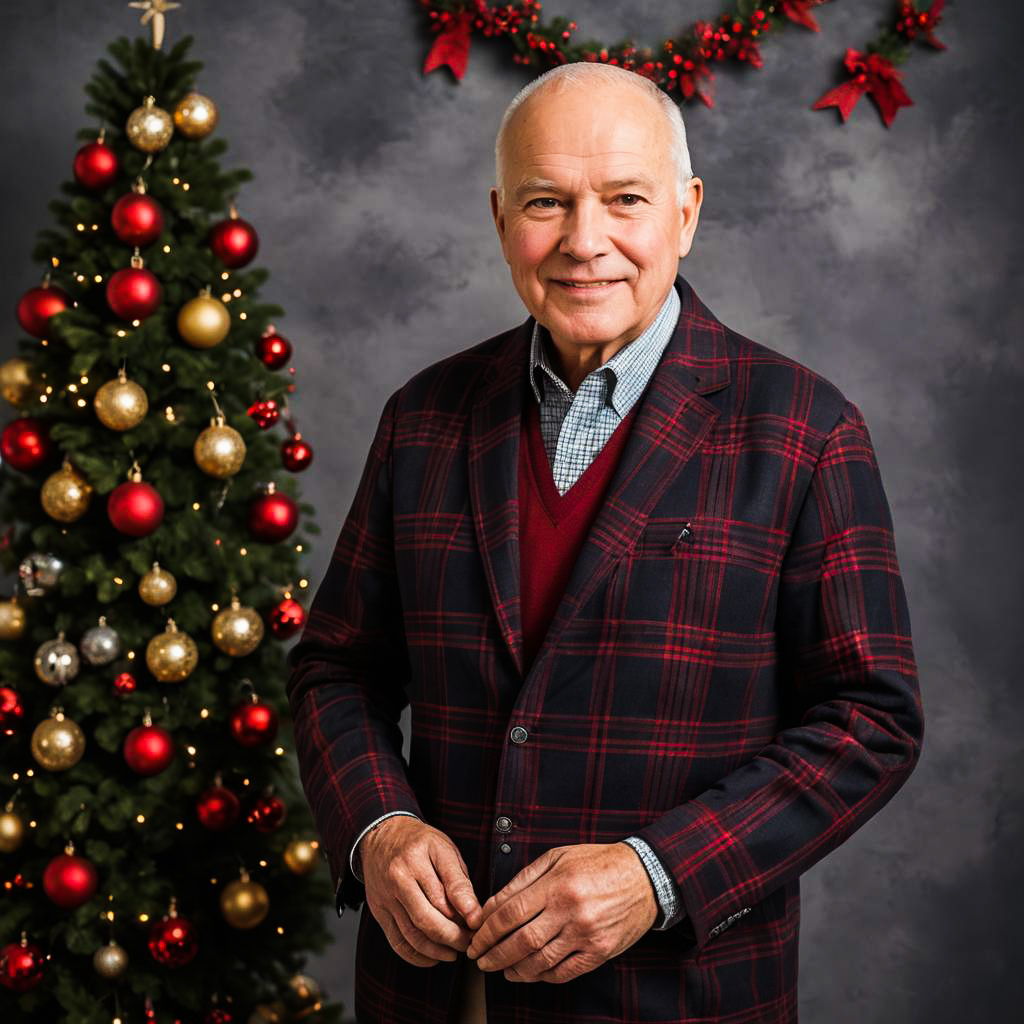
x=415, y=935
x=527, y=876
x=498, y=917
x=569, y=968
x=454, y=876
x=529, y=935
x=398, y=941
x=544, y=960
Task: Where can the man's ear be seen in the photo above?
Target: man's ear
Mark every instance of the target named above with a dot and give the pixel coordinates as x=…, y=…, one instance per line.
x=690, y=214
x=499, y=219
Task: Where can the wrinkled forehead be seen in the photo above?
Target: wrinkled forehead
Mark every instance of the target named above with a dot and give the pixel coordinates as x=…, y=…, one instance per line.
x=579, y=128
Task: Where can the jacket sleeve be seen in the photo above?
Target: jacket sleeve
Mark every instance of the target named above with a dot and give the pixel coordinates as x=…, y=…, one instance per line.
x=348, y=677
x=853, y=721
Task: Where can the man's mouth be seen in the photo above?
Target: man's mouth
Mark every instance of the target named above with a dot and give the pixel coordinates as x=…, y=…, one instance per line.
x=585, y=285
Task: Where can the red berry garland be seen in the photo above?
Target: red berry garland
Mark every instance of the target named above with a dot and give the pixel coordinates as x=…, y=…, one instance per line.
x=681, y=64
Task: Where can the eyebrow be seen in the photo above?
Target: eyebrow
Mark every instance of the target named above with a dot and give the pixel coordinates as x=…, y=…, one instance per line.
x=544, y=185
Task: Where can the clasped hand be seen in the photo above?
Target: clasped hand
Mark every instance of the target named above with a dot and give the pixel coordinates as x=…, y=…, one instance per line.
x=564, y=914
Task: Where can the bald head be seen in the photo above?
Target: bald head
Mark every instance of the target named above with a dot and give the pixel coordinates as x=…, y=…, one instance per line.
x=594, y=78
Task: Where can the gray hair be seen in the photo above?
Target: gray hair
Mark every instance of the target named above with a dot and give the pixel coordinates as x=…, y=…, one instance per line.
x=585, y=72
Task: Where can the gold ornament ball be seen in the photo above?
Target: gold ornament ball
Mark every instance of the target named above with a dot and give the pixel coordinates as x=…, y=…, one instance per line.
x=12, y=832
x=269, y=1013
x=65, y=494
x=305, y=988
x=149, y=127
x=300, y=856
x=110, y=961
x=58, y=743
x=244, y=903
x=219, y=450
x=121, y=404
x=204, y=321
x=12, y=619
x=195, y=115
x=158, y=586
x=18, y=381
x=237, y=630
x=171, y=656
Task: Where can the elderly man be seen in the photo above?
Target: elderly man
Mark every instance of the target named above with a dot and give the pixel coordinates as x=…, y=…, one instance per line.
x=634, y=574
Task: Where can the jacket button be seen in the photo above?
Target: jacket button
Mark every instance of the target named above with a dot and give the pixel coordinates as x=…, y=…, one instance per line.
x=505, y=848
x=503, y=824
x=519, y=734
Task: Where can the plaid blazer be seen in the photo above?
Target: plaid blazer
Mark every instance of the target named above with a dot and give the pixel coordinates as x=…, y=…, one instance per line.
x=729, y=674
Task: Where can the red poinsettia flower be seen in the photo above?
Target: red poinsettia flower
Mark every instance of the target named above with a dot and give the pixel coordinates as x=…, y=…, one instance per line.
x=800, y=12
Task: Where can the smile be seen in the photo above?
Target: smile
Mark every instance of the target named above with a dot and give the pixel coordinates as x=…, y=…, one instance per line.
x=588, y=286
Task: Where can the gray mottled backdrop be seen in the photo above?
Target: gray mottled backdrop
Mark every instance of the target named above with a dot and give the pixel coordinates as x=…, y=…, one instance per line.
x=888, y=260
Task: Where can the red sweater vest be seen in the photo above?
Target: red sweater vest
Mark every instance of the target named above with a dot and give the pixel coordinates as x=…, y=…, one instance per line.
x=553, y=526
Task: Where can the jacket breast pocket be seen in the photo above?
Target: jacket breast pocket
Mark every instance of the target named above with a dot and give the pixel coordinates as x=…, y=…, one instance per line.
x=702, y=573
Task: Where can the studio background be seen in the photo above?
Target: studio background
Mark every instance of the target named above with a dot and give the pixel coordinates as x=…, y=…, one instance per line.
x=888, y=260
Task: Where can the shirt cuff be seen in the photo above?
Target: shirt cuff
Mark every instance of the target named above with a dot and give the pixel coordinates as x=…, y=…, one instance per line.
x=672, y=910
x=352, y=852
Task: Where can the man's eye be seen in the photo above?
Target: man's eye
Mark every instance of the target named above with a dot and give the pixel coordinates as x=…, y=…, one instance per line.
x=543, y=199
x=630, y=195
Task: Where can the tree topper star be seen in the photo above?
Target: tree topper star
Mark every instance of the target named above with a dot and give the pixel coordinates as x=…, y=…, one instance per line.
x=154, y=11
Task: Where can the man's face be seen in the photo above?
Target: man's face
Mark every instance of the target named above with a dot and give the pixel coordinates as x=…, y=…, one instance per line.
x=590, y=197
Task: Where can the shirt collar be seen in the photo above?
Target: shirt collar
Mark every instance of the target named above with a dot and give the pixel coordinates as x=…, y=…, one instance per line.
x=627, y=372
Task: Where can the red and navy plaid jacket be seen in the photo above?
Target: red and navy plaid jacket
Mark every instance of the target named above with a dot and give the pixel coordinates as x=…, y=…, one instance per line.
x=729, y=675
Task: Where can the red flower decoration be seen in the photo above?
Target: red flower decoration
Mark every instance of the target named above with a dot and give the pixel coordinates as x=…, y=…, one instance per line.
x=451, y=46
x=800, y=12
x=911, y=21
x=873, y=75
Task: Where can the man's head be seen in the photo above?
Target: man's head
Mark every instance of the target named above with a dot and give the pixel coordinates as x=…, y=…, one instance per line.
x=593, y=184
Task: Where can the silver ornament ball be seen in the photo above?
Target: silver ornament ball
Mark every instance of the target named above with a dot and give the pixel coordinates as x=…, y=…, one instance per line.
x=56, y=661
x=110, y=960
x=39, y=573
x=101, y=644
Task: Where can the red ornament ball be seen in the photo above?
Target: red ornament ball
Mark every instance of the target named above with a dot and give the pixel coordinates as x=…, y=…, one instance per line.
x=70, y=880
x=234, y=242
x=133, y=293
x=172, y=941
x=124, y=683
x=217, y=808
x=273, y=350
x=11, y=710
x=286, y=618
x=272, y=517
x=264, y=413
x=267, y=813
x=25, y=444
x=135, y=508
x=37, y=305
x=137, y=219
x=148, y=749
x=253, y=723
x=96, y=166
x=21, y=966
x=296, y=454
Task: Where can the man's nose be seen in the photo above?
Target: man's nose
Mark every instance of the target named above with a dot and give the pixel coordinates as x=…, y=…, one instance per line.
x=584, y=236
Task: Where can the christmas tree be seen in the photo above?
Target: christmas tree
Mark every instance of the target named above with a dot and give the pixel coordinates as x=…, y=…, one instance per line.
x=157, y=857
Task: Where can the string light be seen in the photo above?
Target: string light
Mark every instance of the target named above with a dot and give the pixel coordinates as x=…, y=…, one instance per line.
x=118, y=580
x=140, y=818
x=143, y=918
x=241, y=316
x=98, y=278
x=166, y=367
x=122, y=333
x=167, y=248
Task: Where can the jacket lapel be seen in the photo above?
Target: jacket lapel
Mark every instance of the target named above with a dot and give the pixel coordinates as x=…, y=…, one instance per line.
x=670, y=423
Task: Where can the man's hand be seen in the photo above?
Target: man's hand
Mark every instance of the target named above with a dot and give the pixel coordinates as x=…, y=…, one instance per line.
x=418, y=888
x=564, y=914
